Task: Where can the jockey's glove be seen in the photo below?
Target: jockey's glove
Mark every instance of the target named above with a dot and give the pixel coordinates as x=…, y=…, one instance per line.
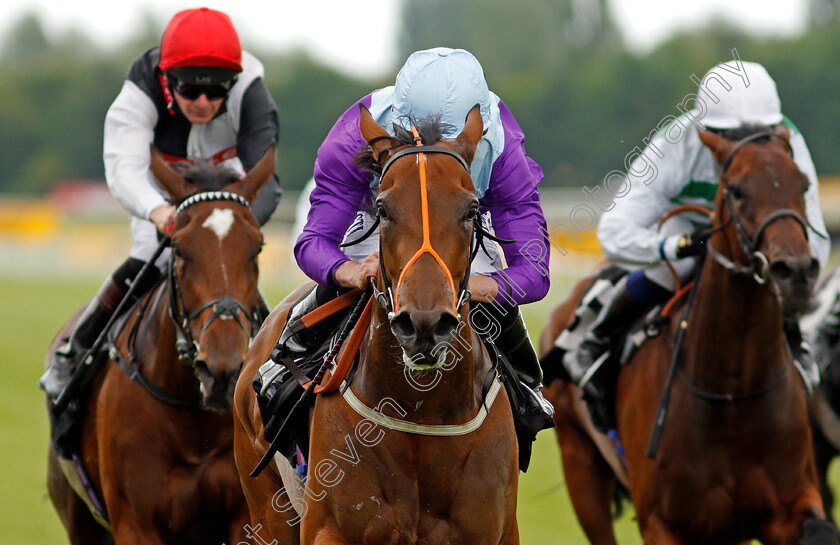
x=694, y=243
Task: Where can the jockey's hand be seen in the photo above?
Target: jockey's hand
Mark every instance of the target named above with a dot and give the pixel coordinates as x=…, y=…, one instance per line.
x=351, y=274
x=694, y=243
x=163, y=216
x=483, y=289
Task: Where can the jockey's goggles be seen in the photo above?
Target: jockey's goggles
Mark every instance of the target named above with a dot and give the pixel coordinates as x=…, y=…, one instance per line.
x=192, y=91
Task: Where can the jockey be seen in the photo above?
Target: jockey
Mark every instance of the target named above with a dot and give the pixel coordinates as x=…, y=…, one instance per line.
x=448, y=83
x=197, y=97
x=737, y=94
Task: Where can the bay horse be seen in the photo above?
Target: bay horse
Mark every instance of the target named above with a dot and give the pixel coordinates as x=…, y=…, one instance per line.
x=734, y=461
x=390, y=461
x=156, y=439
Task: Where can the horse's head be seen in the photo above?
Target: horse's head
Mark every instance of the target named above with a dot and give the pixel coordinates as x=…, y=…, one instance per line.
x=762, y=195
x=427, y=209
x=213, y=271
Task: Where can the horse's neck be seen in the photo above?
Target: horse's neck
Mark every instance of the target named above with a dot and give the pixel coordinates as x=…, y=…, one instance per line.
x=735, y=331
x=449, y=395
x=156, y=347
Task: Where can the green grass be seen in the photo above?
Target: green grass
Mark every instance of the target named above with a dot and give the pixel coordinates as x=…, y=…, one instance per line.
x=32, y=311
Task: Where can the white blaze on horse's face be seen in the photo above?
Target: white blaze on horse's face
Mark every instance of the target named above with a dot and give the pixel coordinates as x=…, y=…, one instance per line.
x=219, y=222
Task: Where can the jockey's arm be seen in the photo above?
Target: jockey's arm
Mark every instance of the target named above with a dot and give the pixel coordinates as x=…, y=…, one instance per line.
x=627, y=230
x=259, y=128
x=340, y=188
x=514, y=203
x=129, y=129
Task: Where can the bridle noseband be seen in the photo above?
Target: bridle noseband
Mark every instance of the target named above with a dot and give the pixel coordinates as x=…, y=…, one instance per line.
x=759, y=267
x=387, y=297
x=224, y=307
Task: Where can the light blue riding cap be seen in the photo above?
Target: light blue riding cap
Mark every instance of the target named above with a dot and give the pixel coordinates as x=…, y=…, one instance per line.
x=445, y=82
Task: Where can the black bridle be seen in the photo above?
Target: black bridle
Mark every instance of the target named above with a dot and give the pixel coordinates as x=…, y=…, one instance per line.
x=759, y=267
x=225, y=307
x=185, y=343
x=385, y=296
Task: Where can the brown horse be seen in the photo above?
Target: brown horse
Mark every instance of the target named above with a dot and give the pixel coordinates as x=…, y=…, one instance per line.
x=397, y=474
x=734, y=462
x=158, y=445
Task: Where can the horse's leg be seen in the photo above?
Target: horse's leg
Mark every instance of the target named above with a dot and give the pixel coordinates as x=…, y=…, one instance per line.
x=267, y=500
x=270, y=507
x=589, y=480
x=82, y=528
x=513, y=536
x=128, y=531
x=803, y=524
x=824, y=452
x=656, y=532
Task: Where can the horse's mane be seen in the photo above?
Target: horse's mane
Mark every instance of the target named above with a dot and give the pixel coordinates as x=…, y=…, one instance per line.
x=206, y=176
x=745, y=131
x=430, y=128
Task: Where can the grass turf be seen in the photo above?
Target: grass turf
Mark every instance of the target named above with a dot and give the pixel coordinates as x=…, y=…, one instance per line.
x=32, y=311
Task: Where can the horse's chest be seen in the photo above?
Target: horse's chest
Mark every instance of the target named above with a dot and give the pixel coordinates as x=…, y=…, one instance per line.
x=393, y=498
x=210, y=484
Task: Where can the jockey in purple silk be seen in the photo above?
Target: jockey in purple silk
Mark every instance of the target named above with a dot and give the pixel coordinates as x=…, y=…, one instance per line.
x=447, y=83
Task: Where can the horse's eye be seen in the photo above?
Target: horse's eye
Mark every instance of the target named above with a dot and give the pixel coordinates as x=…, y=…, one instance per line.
x=381, y=212
x=176, y=250
x=471, y=213
x=736, y=192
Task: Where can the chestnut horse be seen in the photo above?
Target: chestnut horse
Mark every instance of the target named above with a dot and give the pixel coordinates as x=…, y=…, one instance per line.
x=397, y=474
x=734, y=461
x=157, y=446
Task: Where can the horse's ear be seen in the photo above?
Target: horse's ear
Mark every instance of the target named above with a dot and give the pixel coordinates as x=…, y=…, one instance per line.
x=719, y=145
x=469, y=137
x=175, y=185
x=782, y=130
x=249, y=185
x=377, y=138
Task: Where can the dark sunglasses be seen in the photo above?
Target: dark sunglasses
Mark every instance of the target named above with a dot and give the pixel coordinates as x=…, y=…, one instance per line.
x=191, y=91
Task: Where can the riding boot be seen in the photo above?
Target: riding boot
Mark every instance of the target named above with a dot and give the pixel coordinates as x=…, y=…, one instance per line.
x=615, y=317
x=87, y=330
x=803, y=358
x=531, y=411
x=515, y=344
x=297, y=341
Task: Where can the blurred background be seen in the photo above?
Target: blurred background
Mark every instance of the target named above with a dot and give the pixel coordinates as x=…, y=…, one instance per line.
x=586, y=79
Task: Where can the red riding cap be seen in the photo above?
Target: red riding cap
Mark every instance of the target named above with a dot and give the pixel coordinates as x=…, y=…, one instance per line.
x=200, y=37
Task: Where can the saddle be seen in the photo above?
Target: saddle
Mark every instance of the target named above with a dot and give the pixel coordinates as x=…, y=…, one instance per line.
x=621, y=349
x=310, y=332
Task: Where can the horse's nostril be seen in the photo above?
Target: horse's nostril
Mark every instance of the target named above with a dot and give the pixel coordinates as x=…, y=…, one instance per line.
x=446, y=327
x=780, y=271
x=402, y=326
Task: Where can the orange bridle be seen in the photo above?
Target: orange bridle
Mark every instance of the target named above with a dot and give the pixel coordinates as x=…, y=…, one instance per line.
x=427, y=243
x=458, y=298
